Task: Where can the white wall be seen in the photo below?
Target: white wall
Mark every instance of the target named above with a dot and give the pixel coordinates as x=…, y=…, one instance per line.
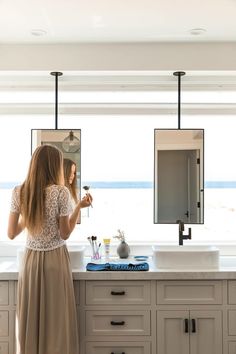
x=133, y=56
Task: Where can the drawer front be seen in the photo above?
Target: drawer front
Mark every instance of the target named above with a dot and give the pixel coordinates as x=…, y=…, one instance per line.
x=118, y=292
x=4, y=323
x=117, y=348
x=125, y=323
x=232, y=348
x=4, y=293
x=232, y=292
x=4, y=348
x=189, y=292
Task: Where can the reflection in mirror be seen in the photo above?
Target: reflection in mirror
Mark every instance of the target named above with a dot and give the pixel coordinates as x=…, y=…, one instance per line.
x=68, y=141
x=179, y=176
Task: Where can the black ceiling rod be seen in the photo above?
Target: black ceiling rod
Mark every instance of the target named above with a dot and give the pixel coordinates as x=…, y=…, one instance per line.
x=179, y=74
x=56, y=74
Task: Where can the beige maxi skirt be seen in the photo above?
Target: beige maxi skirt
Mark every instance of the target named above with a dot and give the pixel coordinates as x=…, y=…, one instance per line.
x=46, y=320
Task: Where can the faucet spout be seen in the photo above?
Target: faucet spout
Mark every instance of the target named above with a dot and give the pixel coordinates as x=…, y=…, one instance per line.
x=183, y=237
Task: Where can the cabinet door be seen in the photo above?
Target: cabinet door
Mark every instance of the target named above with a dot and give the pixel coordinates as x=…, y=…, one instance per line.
x=173, y=332
x=232, y=348
x=206, y=332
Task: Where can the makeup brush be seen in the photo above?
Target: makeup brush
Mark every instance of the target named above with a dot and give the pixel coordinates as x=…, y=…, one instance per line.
x=86, y=188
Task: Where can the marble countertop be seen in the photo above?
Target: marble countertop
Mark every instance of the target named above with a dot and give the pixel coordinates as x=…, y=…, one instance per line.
x=227, y=270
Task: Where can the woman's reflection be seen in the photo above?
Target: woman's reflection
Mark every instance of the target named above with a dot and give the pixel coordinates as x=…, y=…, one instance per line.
x=71, y=181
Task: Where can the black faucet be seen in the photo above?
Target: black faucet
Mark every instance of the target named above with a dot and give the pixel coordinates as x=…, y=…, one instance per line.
x=183, y=237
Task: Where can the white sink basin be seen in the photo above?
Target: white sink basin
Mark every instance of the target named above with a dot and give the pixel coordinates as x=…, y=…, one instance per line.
x=76, y=256
x=186, y=257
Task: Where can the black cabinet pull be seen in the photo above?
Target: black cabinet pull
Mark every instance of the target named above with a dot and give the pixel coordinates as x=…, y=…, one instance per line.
x=193, y=325
x=117, y=292
x=117, y=323
x=117, y=353
x=186, y=325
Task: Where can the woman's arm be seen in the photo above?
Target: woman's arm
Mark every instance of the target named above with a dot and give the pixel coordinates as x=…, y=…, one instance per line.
x=67, y=223
x=15, y=225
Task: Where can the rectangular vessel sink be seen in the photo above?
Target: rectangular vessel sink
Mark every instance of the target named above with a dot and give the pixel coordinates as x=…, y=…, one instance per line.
x=76, y=254
x=186, y=257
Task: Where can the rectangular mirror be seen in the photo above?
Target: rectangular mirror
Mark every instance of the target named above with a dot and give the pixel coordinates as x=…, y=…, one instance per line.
x=178, y=176
x=68, y=141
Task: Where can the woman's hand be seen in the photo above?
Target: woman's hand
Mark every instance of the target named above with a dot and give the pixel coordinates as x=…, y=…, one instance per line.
x=67, y=224
x=86, y=201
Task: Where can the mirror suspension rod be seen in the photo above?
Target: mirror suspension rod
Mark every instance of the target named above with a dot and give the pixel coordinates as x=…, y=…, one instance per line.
x=56, y=74
x=179, y=74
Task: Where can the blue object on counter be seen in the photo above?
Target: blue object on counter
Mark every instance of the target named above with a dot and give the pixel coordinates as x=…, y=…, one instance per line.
x=117, y=267
x=141, y=258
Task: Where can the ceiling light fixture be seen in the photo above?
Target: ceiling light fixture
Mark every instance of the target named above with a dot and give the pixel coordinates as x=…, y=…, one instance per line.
x=38, y=32
x=197, y=31
x=71, y=143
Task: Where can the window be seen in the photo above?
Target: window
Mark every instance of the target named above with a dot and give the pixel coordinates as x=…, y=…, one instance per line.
x=117, y=160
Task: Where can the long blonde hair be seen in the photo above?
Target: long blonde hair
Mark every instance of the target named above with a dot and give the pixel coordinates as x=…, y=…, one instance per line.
x=46, y=168
x=67, y=164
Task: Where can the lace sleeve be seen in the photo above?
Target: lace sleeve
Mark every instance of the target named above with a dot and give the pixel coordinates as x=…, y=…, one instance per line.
x=65, y=207
x=15, y=200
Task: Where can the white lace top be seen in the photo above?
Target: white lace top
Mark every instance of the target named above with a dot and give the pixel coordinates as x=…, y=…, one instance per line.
x=57, y=203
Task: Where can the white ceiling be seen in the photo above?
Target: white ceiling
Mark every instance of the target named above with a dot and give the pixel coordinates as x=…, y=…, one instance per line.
x=73, y=21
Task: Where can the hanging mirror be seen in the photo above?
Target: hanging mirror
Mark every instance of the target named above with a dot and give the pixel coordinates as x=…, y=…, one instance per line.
x=61, y=138
x=66, y=140
x=179, y=172
x=179, y=176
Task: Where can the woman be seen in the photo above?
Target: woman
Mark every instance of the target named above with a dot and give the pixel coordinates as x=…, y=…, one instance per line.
x=46, y=310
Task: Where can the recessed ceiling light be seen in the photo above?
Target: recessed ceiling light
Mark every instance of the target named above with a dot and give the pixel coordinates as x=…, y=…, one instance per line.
x=97, y=21
x=197, y=31
x=38, y=32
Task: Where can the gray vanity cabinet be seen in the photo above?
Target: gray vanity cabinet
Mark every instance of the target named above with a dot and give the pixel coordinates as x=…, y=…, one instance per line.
x=189, y=317
x=117, y=317
x=185, y=332
x=143, y=316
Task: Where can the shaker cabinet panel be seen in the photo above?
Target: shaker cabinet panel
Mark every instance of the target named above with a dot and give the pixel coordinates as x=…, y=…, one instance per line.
x=206, y=334
x=232, y=322
x=4, y=348
x=4, y=323
x=4, y=293
x=118, y=292
x=189, y=292
x=232, y=348
x=172, y=332
x=120, y=323
x=189, y=332
x=232, y=292
x=117, y=348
